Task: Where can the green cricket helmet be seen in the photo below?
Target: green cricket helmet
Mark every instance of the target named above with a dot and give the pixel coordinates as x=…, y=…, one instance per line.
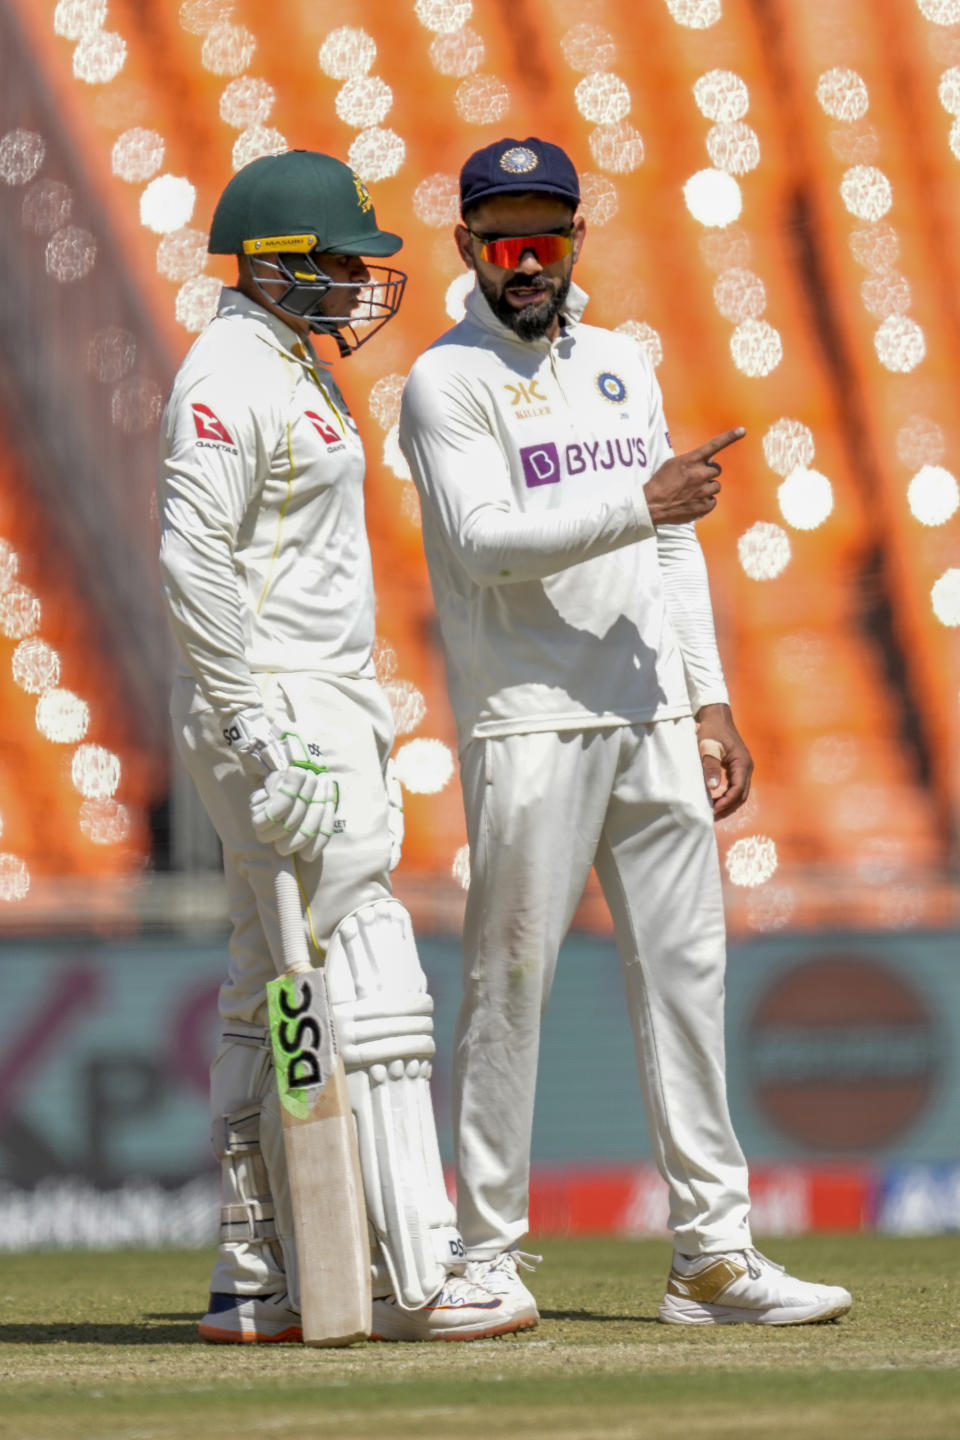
x=284, y=211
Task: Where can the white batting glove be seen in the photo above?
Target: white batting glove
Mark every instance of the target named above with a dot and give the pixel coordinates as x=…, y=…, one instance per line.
x=294, y=807
x=395, y=824
x=294, y=810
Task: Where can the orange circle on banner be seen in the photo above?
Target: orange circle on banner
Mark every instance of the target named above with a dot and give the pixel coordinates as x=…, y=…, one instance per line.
x=843, y=1054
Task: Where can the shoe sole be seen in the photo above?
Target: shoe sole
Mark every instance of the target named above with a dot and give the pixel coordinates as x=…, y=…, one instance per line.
x=489, y=1332
x=293, y=1335
x=687, y=1313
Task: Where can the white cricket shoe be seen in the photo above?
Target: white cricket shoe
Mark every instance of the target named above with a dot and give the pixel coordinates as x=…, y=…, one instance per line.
x=501, y=1276
x=250, y=1320
x=460, y=1310
x=743, y=1287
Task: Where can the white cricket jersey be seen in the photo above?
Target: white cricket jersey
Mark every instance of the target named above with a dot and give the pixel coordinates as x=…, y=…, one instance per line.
x=561, y=607
x=264, y=552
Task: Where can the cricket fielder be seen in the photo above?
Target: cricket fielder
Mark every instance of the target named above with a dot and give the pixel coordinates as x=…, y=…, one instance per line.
x=279, y=719
x=594, y=726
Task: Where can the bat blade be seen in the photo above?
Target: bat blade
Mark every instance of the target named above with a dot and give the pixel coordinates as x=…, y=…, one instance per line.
x=320, y=1144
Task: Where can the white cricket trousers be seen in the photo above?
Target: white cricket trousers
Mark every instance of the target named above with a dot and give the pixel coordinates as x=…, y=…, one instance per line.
x=541, y=810
x=351, y=721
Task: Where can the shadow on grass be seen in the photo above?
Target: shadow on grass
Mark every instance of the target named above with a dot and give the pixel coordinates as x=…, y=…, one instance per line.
x=93, y=1334
x=603, y=1317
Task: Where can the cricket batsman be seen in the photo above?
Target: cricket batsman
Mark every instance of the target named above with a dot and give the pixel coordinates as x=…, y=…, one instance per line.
x=279, y=720
x=594, y=726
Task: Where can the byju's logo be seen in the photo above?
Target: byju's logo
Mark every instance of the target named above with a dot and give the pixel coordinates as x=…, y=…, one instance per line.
x=541, y=464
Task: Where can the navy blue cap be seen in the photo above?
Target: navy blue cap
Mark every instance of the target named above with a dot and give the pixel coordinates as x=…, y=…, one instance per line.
x=516, y=167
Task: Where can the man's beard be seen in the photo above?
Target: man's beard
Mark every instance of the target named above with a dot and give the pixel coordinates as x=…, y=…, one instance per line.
x=531, y=322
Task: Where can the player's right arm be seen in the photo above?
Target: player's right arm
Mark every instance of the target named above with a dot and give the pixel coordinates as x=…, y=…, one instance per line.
x=213, y=462
x=463, y=477
x=210, y=471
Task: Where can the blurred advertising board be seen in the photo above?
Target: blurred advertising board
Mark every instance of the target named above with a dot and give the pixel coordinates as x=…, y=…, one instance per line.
x=843, y=1064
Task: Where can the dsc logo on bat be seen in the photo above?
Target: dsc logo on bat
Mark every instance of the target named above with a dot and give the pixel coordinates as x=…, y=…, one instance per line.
x=298, y=1037
x=304, y=1043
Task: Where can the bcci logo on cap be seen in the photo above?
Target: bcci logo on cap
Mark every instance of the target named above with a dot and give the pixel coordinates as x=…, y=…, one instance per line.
x=519, y=160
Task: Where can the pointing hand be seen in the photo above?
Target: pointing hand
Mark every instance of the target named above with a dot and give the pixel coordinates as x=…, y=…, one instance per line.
x=686, y=487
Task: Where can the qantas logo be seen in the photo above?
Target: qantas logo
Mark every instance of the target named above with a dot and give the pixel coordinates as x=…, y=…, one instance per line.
x=323, y=428
x=209, y=427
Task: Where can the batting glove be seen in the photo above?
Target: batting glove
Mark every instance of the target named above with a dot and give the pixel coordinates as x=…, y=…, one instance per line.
x=294, y=807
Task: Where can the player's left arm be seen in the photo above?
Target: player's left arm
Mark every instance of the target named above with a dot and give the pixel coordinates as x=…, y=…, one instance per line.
x=727, y=763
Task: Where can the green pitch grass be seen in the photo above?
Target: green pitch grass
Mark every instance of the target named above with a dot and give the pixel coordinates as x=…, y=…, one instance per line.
x=103, y=1346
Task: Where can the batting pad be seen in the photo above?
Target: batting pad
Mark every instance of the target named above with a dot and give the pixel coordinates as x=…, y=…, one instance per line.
x=256, y=1250
x=384, y=1020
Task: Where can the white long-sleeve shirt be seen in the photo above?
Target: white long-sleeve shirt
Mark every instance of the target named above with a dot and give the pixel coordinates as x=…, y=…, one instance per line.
x=264, y=552
x=561, y=607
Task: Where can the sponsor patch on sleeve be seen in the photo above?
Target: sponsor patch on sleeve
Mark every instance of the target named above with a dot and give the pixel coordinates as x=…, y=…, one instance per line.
x=210, y=428
x=323, y=428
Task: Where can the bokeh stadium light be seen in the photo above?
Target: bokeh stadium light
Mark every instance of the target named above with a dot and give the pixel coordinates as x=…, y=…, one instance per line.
x=759, y=223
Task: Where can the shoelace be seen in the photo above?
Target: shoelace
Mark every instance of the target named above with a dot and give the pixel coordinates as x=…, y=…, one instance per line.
x=521, y=1260
x=753, y=1256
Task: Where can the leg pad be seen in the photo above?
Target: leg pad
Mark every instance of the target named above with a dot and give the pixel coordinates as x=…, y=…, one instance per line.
x=384, y=1020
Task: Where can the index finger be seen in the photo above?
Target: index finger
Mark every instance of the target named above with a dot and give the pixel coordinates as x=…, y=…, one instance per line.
x=719, y=442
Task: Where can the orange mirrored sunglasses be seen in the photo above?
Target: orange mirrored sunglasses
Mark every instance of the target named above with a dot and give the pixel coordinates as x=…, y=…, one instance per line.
x=507, y=251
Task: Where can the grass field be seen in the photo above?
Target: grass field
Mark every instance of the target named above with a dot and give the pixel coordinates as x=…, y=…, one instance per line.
x=103, y=1346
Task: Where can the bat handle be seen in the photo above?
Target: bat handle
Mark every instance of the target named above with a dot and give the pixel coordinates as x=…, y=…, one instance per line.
x=296, y=955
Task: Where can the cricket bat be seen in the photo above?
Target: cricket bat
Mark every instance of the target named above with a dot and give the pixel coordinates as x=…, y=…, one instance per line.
x=320, y=1141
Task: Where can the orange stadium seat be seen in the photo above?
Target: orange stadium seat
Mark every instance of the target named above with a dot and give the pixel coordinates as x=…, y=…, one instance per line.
x=773, y=213
x=61, y=710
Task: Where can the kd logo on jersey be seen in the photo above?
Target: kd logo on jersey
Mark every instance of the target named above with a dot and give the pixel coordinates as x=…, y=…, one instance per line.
x=528, y=400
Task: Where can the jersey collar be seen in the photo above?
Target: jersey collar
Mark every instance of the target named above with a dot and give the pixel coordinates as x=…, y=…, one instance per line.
x=278, y=334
